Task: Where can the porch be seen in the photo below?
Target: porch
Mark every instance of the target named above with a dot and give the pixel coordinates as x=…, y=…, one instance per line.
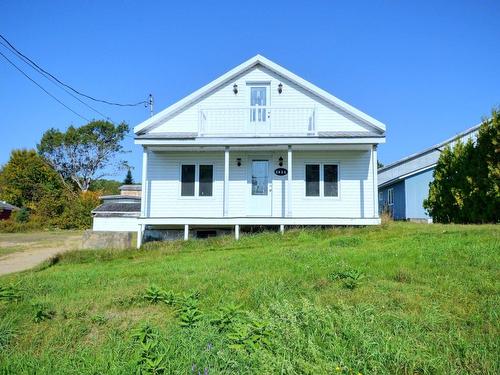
x=257, y=186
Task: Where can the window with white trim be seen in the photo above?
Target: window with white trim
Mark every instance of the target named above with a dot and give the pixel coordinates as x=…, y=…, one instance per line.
x=197, y=180
x=322, y=180
x=380, y=196
x=390, y=196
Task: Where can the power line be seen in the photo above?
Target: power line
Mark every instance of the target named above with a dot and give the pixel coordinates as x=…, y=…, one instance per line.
x=51, y=80
x=41, y=87
x=68, y=86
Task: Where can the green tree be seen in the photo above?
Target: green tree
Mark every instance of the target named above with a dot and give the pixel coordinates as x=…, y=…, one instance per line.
x=26, y=177
x=466, y=181
x=81, y=154
x=106, y=187
x=129, y=180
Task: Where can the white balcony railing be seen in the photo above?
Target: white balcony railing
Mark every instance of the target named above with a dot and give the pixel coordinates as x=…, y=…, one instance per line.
x=257, y=121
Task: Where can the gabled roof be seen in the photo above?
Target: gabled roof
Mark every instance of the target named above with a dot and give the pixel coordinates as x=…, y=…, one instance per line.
x=157, y=119
x=419, y=161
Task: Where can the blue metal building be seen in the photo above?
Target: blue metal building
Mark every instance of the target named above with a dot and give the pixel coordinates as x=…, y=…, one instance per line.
x=404, y=184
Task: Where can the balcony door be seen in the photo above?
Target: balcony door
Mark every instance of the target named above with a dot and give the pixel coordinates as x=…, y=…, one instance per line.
x=259, y=108
x=259, y=202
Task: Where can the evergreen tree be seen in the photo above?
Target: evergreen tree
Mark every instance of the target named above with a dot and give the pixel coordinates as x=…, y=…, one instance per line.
x=128, y=178
x=466, y=185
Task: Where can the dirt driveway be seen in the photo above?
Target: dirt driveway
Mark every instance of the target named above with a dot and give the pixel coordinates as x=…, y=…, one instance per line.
x=22, y=251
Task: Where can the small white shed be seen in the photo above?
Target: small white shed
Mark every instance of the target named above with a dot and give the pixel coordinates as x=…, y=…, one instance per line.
x=119, y=213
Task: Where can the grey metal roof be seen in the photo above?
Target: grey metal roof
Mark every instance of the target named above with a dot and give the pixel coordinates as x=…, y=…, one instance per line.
x=135, y=187
x=331, y=134
x=7, y=206
x=181, y=135
x=121, y=198
x=351, y=134
x=118, y=207
x=420, y=161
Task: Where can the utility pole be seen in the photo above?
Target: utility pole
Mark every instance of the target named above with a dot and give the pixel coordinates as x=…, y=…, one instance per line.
x=151, y=103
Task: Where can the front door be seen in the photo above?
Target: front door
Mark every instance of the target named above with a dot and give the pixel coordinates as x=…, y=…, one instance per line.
x=260, y=188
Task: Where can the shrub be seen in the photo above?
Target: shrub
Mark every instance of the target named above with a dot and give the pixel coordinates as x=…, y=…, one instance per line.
x=77, y=213
x=22, y=216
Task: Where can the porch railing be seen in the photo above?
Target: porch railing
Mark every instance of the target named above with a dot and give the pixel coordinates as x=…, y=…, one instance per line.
x=257, y=121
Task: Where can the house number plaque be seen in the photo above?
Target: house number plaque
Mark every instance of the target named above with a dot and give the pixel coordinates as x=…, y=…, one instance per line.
x=280, y=171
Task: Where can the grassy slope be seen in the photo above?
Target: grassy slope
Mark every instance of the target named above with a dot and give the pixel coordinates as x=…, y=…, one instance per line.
x=428, y=304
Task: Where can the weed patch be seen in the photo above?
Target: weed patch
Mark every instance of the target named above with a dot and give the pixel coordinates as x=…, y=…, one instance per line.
x=42, y=312
x=351, y=241
x=9, y=293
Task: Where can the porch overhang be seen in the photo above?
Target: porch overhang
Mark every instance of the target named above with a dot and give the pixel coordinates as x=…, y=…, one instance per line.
x=258, y=141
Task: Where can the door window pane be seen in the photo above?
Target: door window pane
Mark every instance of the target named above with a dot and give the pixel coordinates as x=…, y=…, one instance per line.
x=259, y=177
x=331, y=178
x=187, y=180
x=312, y=180
x=258, y=97
x=206, y=180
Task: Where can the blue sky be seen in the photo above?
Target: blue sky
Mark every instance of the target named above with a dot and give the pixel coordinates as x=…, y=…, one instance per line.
x=427, y=69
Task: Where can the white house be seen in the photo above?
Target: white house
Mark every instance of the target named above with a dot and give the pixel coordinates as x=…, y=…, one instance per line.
x=258, y=146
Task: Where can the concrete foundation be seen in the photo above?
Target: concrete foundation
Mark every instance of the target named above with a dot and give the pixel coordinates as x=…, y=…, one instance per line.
x=106, y=240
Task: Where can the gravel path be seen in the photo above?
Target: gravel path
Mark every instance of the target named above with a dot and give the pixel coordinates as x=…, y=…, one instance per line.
x=34, y=248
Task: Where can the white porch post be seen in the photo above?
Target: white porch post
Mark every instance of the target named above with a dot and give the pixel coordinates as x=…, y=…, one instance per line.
x=144, y=195
x=186, y=232
x=282, y=228
x=226, y=180
x=289, y=190
x=237, y=232
x=144, y=189
x=140, y=234
x=375, y=181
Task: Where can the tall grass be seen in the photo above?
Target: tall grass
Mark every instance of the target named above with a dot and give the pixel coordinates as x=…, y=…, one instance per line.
x=425, y=301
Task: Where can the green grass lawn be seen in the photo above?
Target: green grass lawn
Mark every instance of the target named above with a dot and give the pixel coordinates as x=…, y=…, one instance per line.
x=401, y=298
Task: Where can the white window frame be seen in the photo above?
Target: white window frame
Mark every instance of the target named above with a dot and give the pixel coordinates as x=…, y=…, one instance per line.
x=380, y=196
x=390, y=196
x=322, y=180
x=196, y=180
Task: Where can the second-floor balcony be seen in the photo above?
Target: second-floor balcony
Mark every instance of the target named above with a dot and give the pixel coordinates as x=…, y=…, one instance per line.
x=257, y=121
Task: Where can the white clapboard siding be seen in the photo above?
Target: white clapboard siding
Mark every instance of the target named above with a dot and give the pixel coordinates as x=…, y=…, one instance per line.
x=356, y=185
x=327, y=116
x=115, y=224
x=164, y=181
